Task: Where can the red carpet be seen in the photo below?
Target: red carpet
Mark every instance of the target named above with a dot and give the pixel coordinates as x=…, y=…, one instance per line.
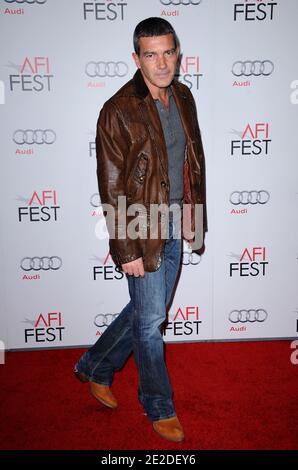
x=228, y=396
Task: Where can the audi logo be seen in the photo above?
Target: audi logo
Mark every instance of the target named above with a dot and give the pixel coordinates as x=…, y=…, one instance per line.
x=249, y=197
x=252, y=67
x=190, y=258
x=180, y=2
x=102, y=320
x=106, y=69
x=248, y=316
x=95, y=200
x=26, y=1
x=44, y=263
x=34, y=136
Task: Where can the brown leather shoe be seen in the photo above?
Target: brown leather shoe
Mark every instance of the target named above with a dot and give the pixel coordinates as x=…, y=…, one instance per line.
x=169, y=428
x=103, y=394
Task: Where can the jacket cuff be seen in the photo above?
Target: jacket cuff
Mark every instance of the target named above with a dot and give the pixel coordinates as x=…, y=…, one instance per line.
x=122, y=258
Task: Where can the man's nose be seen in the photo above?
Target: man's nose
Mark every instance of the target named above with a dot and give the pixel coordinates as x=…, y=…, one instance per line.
x=161, y=62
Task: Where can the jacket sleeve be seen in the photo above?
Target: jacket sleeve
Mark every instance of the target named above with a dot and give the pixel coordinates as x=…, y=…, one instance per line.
x=112, y=147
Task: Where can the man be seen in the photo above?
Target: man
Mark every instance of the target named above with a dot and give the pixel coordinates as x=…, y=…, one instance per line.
x=149, y=152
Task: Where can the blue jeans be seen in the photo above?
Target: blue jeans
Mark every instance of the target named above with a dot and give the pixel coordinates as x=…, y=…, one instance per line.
x=137, y=329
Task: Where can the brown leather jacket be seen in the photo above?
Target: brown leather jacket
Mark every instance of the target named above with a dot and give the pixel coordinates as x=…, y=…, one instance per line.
x=132, y=161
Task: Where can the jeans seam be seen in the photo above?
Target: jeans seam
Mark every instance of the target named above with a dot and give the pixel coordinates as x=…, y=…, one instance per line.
x=107, y=352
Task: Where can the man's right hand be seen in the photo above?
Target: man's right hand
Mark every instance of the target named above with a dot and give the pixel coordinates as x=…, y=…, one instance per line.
x=134, y=268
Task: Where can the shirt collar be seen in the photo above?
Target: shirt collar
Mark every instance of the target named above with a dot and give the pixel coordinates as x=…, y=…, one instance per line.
x=170, y=94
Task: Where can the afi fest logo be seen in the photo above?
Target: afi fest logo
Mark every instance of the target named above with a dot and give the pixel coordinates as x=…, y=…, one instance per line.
x=104, y=10
x=105, y=269
x=174, y=6
x=48, y=328
x=186, y=321
x=41, y=207
x=189, y=71
x=254, y=11
x=252, y=141
x=252, y=262
x=34, y=75
x=91, y=144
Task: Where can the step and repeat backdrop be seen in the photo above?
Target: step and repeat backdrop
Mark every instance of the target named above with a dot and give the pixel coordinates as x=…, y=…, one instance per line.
x=60, y=61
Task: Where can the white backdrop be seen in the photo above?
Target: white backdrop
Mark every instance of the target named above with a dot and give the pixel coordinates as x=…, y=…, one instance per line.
x=60, y=61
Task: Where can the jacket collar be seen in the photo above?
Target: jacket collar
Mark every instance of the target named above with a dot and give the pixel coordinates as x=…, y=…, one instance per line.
x=180, y=96
x=140, y=86
x=143, y=91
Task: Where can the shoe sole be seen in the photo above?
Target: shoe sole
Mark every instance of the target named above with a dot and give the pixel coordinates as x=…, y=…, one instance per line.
x=166, y=436
x=180, y=439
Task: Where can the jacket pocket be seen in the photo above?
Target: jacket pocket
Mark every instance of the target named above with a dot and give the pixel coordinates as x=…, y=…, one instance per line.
x=137, y=175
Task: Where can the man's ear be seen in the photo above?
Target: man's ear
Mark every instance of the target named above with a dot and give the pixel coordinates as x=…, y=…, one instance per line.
x=136, y=59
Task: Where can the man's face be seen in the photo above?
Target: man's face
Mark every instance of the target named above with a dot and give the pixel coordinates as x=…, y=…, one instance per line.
x=157, y=60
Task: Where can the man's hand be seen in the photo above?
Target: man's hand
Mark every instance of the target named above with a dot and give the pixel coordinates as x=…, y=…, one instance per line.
x=134, y=268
